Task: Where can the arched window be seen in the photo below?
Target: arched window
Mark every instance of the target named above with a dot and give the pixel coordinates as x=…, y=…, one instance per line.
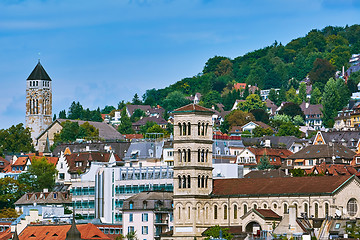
x=184, y=129
x=179, y=177
x=34, y=107
x=316, y=210
x=245, y=209
x=180, y=155
x=206, y=212
x=184, y=181
x=265, y=206
x=306, y=208
x=198, y=155
x=206, y=155
x=199, y=128
x=37, y=106
x=37, y=83
x=179, y=216
x=189, y=155
x=296, y=209
x=199, y=184
x=202, y=155
x=184, y=155
x=30, y=84
x=326, y=209
x=202, y=129
x=352, y=207
x=215, y=212
x=255, y=206
x=180, y=130
x=225, y=212
x=189, y=181
x=206, y=181
x=235, y=211
x=275, y=206
x=189, y=129
x=189, y=212
x=203, y=181
x=207, y=125
x=285, y=208
x=30, y=106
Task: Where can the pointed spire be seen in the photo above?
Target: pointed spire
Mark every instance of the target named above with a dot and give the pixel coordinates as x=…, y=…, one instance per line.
x=39, y=73
x=73, y=233
x=15, y=236
x=47, y=144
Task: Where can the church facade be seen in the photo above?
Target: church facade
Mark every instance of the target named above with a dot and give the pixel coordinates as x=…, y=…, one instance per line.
x=251, y=204
x=38, y=101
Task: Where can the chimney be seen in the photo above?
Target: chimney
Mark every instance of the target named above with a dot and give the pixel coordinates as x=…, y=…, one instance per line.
x=307, y=105
x=45, y=190
x=268, y=143
x=292, y=216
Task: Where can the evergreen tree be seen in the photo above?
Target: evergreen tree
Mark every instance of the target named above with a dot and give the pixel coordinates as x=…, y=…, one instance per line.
x=302, y=92
x=136, y=100
x=125, y=126
x=75, y=111
x=62, y=114
x=264, y=163
x=315, y=96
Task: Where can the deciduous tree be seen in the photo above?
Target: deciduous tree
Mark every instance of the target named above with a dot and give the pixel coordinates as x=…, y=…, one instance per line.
x=15, y=139
x=252, y=102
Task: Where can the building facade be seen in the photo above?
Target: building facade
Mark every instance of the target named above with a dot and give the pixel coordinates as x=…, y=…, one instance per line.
x=38, y=101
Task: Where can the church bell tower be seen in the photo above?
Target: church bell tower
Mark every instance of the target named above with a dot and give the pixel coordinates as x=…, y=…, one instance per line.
x=38, y=101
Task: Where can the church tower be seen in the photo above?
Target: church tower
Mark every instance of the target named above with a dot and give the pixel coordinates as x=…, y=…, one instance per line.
x=192, y=170
x=38, y=101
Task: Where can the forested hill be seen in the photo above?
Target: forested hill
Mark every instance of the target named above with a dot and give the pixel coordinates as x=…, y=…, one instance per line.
x=270, y=67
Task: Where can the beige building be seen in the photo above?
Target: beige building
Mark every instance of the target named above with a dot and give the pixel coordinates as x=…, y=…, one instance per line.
x=201, y=202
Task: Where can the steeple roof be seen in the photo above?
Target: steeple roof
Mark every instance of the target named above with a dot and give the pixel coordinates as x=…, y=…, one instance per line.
x=73, y=233
x=39, y=73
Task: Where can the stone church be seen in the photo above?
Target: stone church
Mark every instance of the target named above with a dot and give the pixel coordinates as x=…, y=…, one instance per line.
x=38, y=101
x=201, y=202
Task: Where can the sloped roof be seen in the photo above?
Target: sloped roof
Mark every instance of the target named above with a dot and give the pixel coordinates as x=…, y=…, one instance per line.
x=106, y=131
x=193, y=108
x=131, y=108
x=39, y=73
x=44, y=198
x=21, y=161
x=311, y=109
x=278, y=186
x=144, y=120
x=347, y=137
x=334, y=169
x=85, y=158
x=268, y=214
x=272, y=173
x=54, y=232
x=323, y=151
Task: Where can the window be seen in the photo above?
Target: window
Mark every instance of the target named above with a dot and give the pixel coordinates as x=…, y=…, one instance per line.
x=215, y=212
x=145, y=204
x=131, y=229
x=285, y=208
x=145, y=230
x=326, y=209
x=306, y=208
x=352, y=207
x=55, y=195
x=145, y=217
x=179, y=177
x=131, y=217
x=189, y=212
x=131, y=205
x=189, y=182
x=245, y=209
x=235, y=211
x=225, y=212
x=62, y=176
x=316, y=210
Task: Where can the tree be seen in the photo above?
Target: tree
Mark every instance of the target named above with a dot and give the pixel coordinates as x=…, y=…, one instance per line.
x=321, y=72
x=157, y=129
x=16, y=139
x=107, y=109
x=273, y=96
x=224, y=68
x=214, y=232
x=291, y=109
x=136, y=100
x=62, y=114
x=238, y=118
x=315, y=96
x=212, y=64
x=131, y=236
x=252, y=102
x=260, y=115
x=125, y=126
x=8, y=213
x=75, y=111
x=10, y=191
x=224, y=127
x=259, y=132
x=88, y=131
x=291, y=96
x=302, y=92
x=40, y=175
x=144, y=129
x=72, y=131
x=264, y=163
x=211, y=99
x=137, y=115
x=298, y=120
x=121, y=105
x=175, y=100
x=297, y=172
x=289, y=129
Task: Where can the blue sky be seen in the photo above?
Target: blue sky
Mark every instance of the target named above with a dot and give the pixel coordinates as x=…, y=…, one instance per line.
x=101, y=52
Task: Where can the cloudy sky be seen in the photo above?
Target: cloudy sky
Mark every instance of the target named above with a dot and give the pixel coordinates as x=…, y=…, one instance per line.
x=101, y=52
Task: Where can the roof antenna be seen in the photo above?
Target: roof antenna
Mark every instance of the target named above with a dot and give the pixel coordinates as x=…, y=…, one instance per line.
x=39, y=57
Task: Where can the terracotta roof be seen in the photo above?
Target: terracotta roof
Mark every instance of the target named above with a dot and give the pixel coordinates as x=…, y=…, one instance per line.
x=278, y=186
x=6, y=235
x=239, y=86
x=3, y=163
x=193, y=108
x=88, y=231
x=276, y=154
x=334, y=169
x=134, y=136
x=21, y=161
x=52, y=160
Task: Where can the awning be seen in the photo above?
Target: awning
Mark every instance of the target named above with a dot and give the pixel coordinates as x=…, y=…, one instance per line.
x=299, y=160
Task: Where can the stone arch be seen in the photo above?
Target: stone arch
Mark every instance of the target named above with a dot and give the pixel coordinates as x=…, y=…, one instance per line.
x=252, y=226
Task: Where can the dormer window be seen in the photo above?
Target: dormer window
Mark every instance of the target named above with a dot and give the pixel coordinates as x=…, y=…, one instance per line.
x=55, y=195
x=145, y=204
x=78, y=164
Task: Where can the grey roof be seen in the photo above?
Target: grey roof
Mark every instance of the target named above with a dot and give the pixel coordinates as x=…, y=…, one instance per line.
x=118, y=147
x=275, y=141
x=44, y=198
x=266, y=174
x=106, y=131
x=324, y=151
x=348, y=138
x=154, y=200
x=144, y=120
x=352, y=69
x=132, y=108
x=39, y=73
x=224, y=145
x=144, y=149
x=311, y=109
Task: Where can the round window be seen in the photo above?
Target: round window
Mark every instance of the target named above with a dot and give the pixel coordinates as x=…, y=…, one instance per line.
x=352, y=207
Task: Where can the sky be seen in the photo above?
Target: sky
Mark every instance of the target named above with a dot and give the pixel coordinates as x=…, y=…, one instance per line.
x=101, y=52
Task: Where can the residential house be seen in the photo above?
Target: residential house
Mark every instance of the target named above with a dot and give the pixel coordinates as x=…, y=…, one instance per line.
x=196, y=98
x=313, y=155
x=313, y=115
x=349, y=139
x=106, y=132
x=250, y=126
x=158, y=120
x=144, y=153
x=168, y=153
x=265, y=93
x=270, y=107
x=333, y=170
x=235, y=106
x=148, y=214
x=269, y=173
x=3, y=164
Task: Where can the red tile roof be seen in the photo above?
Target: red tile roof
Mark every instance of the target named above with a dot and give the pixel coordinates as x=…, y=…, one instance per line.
x=21, y=161
x=276, y=154
x=134, y=136
x=85, y=158
x=57, y=232
x=268, y=213
x=193, y=108
x=278, y=186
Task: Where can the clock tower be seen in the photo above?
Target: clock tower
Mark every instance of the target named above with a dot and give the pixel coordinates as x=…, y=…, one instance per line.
x=38, y=101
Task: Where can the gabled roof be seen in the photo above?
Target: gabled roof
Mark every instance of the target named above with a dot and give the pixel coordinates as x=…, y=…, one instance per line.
x=44, y=198
x=279, y=186
x=39, y=73
x=258, y=123
x=323, y=151
x=86, y=158
x=193, y=108
x=131, y=108
x=266, y=214
x=144, y=120
x=58, y=232
x=21, y=161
